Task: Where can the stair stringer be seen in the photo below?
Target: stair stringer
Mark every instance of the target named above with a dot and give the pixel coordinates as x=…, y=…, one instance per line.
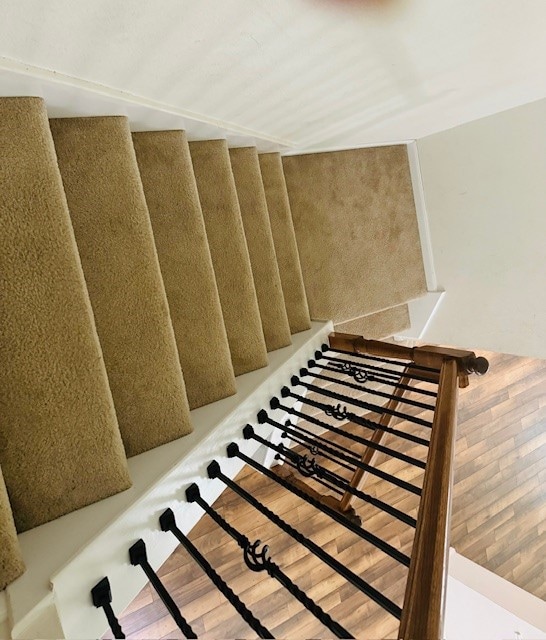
x=86, y=545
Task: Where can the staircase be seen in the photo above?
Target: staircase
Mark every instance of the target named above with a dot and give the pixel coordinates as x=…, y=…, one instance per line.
x=143, y=278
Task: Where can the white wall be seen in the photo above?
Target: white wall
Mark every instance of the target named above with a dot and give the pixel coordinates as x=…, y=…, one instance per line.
x=307, y=73
x=482, y=606
x=472, y=616
x=485, y=193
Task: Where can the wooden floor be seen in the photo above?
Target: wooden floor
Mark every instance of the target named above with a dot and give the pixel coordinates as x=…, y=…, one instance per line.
x=499, y=521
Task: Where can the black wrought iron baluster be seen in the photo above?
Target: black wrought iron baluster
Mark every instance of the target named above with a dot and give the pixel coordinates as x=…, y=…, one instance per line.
x=263, y=417
x=139, y=557
x=365, y=356
x=258, y=560
x=375, y=392
x=366, y=467
x=214, y=471
x=310, y=468
x=314, y=447
x=422, y=377
x=290, y=464
x=234, y=451
x=167, y=522
x=101, y=595
x=345, y=415
x=360, y=374
x=295, y=381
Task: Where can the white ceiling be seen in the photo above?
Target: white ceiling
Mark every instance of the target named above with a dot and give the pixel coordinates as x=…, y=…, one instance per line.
x=315, y=73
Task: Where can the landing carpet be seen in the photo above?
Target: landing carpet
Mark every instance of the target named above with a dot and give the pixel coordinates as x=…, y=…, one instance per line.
x=356, y=227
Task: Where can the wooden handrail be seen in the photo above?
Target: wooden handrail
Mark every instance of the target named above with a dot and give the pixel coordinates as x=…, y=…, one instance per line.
x=424, y=601
x=425, y=356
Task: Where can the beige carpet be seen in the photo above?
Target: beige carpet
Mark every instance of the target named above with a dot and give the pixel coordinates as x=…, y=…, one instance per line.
x=250, y=192
x=60, y=447
x=356, y=228
x=382, y=324
x=181, y=241
x=229, y=253
x=11, y=560
x=284, y=238
x=119, y=259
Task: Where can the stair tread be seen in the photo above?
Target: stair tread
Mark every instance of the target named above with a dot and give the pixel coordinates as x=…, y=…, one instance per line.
x=186, y=265
x=55, y=404
x=229, y=252
x=382, y=324
x=356, y=226
x=284, y=238
x=265, y=270
x=114, y=237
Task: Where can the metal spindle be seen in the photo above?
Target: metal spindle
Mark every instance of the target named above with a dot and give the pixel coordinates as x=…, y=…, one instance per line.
x=360, y=372
x=368, y=468
x=364, y=356
x=101, y=595
x=214, y=471
x=262, y=415
x=139, y=557
x=259, y=560
x=290, y=464
x=341, y=413
x=308, y=467
x=234, y=451
x=386, y=372
x=295, y=381
x=167, y=522
x=376, y=392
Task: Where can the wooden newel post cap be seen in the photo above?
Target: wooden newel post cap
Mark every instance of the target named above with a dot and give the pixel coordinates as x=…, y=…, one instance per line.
x=478, y=365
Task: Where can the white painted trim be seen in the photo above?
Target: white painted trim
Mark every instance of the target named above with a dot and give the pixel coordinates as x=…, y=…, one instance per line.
x=4, y=615
x=422, y=217
x=84, y=546
x=370, y=145
x=67, y=96
x=520, y=603
x=421, y=312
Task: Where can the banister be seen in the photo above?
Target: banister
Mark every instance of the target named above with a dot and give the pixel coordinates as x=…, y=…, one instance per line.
x=424, y=601
x=428, y=356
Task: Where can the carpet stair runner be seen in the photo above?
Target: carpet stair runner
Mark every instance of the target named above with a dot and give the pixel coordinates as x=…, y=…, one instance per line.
x=139, y=275
x=116, y=246
x=228, y=248
x=179, y=230
x=267, y=280
x=61, y=447
x=284, y=239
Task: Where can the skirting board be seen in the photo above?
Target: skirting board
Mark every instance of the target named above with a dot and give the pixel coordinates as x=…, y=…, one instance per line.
x=421, y=312
x=93, y=542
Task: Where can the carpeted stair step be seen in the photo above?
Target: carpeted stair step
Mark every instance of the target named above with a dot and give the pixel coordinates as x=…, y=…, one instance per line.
x=179, y=230
x=251, y=196
x=60, y=446
x=115, y=241
x=11, y=560
x=356, y=227
x=284, y=238
x=382, y=324
x=229, y=252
